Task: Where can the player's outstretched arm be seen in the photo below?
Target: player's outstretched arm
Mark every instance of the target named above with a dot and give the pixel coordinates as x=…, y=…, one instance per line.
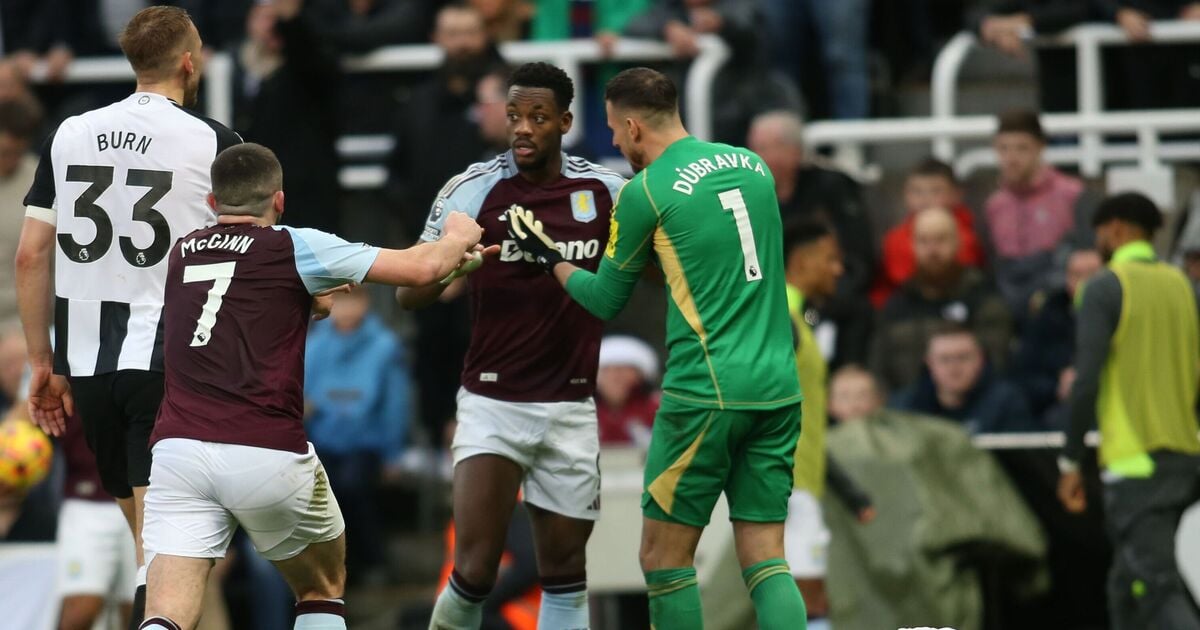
x=427, y=263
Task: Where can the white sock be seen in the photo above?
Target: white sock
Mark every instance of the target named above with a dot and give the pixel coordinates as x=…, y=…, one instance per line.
x=819, y=624
x=455, y=612
x=563, y=611
x=158, y=623
x=319, y=621
x=141, y=574
x=320, y=614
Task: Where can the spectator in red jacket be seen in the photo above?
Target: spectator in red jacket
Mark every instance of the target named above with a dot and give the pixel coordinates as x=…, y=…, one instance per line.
x=627, y=394
x=930, y=184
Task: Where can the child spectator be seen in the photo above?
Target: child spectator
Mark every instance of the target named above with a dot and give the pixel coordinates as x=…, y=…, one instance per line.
x=853, y=394
x=626, y=394
x=357, y=389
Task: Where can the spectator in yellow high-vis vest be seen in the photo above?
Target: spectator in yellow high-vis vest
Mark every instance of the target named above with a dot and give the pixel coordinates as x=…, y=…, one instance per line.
x=1137, y=359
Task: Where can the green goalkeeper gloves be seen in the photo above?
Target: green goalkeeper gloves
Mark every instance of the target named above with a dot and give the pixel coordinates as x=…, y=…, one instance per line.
x=527, y=231
x=464, y=268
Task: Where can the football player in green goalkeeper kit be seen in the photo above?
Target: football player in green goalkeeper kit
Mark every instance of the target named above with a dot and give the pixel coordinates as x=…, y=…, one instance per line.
x=730, y=414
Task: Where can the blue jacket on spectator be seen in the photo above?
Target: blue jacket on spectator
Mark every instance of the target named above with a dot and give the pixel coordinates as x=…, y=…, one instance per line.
x=357, y=384
x=992, y=406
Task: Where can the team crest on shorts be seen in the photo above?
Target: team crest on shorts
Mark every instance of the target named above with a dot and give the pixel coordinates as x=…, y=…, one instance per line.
x=583, y=206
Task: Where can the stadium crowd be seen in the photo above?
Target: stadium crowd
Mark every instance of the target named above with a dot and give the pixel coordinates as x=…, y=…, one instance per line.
x=959, y=312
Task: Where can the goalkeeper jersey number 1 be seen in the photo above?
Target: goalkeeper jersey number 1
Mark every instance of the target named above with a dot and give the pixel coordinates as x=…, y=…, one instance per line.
x=709, y=214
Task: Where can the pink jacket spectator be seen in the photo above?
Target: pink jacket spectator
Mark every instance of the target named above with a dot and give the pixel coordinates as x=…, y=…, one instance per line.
x=1029, y=230
x=1027, y=222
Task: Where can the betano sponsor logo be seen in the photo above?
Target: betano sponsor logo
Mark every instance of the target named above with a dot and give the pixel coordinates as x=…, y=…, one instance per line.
x=570, y=250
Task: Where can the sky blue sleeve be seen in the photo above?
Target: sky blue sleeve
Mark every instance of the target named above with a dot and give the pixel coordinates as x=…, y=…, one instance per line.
x=613, y=182
x=325, y=261
x=462, y=193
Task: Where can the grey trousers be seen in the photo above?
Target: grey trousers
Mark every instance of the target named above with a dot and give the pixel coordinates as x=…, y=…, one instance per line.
x=1145, y=589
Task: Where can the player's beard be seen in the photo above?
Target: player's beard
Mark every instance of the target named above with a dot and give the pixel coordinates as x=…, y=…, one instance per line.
x=191, y=89
x=637, y=161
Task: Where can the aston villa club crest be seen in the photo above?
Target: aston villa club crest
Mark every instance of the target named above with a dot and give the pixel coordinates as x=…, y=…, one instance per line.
x=583, y=206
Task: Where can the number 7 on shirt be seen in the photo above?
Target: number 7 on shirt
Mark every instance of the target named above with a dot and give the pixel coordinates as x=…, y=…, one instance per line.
x=221, y=275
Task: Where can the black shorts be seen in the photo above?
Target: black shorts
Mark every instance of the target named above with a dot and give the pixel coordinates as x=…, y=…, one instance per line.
x=118, y=411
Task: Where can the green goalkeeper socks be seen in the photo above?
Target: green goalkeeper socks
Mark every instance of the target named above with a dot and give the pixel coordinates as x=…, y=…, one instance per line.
x=674, y=599
x=777, y=601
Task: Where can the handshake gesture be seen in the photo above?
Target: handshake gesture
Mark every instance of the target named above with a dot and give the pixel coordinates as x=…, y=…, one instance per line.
x=527, y=231
x=461, y=227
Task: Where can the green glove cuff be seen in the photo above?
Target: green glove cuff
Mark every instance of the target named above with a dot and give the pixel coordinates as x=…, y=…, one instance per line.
x=464, y=269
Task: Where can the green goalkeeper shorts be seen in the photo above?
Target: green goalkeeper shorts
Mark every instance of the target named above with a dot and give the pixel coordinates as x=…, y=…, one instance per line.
x=696, y=454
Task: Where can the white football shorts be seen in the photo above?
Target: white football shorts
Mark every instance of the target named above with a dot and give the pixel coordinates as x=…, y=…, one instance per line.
x=805, y=537
x=95, y=551
x=557, y=444
x=200, y=492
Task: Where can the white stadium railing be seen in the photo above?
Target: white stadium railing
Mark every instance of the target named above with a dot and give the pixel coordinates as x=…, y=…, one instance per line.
x=1032, y=440
x=570, y=55
x=943, y=128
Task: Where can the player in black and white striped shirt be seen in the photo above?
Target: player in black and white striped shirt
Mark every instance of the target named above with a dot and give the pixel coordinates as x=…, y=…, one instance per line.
x=116, y=187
